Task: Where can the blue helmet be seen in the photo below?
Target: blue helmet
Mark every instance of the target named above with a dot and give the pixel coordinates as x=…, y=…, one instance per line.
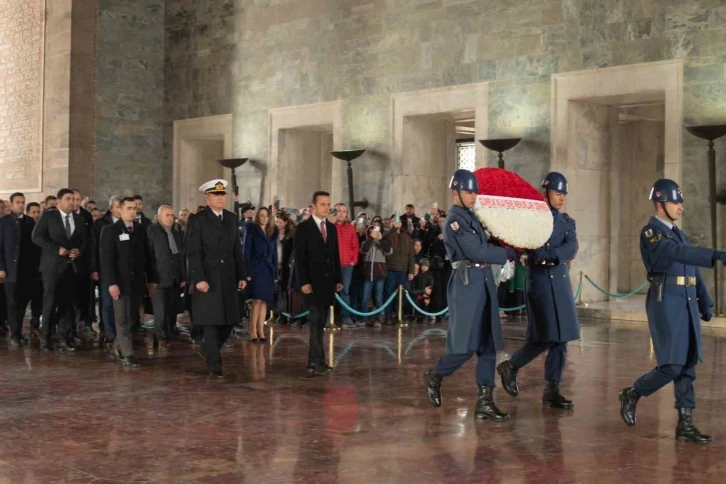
x=665, y=190
x=464, y=180
x=555, y=181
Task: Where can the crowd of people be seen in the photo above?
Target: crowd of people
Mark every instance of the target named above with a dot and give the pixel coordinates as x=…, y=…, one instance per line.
x=65, y=260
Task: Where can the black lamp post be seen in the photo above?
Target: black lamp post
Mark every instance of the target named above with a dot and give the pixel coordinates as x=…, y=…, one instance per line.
x=500, y=146
x=711, y=133
x=233, y=164
x=348, y=156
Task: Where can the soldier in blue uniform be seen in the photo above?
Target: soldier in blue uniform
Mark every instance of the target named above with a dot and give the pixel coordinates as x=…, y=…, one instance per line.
x=474, y=326
x=676, y=298
x=551, y=308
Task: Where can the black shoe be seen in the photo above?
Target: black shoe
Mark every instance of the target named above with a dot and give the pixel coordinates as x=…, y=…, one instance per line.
x=319, y=370
x=553, y=398
x=432, y=382
x=24, y=340
x=130, y=362
x=508, y=374
x=16, y=342
x=628, y=403
x=216, y=373
x=254, y=340
x=686, y=430
x=486, y=408
x=66, y=346
x=46, y=345
x=262, y=340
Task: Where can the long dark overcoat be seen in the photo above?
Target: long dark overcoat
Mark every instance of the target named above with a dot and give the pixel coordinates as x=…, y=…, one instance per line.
x=261, y=262
x=551, y=312
x=667, y=251
x=317, y=262
x=214, y=255
x=473, y=308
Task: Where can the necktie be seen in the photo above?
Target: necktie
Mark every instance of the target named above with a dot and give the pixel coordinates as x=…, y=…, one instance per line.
x=69, y=232
x=130, y=228
x=322, y=230
x=220, y=218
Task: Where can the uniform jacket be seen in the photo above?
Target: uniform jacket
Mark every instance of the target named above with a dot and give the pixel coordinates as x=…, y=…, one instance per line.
x=551, y=311
x=19, y=256
x=50, y=234
x=473, y=308
x=667, y=251
x=214, y=255
x=167, y=269
x=317, y=262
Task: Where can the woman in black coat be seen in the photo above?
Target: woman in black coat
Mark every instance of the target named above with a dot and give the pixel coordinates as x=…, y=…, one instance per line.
x=261, y=259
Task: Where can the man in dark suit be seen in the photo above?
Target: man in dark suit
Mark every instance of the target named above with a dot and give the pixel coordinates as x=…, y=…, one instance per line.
x=125, y=269
x=140, y=217
x=61, y=235
x=318, y=268
x=19, y=260
x=168, y=272
x=32, y=211
x=113, y=214
x=216, y=271
x=84, y=312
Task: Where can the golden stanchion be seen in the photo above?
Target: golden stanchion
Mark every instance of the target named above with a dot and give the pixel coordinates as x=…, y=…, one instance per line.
x=270, y=322
x=272, y=341
x=580, y=302
x=331, y=323
x=331, y=355
x=401, y=323
x=400, y=344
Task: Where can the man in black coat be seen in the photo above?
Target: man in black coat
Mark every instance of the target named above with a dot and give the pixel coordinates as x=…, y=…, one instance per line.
x=32, y=211
x=318, y=268
x=125, y=269
x=216, y=271
x=168, y=272
x=19, y=261
x=84, y=311
x=113, y=214
x=61, y=235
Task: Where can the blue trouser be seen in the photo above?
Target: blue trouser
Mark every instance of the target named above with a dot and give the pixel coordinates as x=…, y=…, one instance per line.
x=554, y=364
x=347, y=275
x=393, y=280
x=376, y=289
x=486, y=363
x=106, y=313
x=682, y=377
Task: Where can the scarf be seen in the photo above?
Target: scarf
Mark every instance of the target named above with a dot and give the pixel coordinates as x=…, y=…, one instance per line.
x=172, y=242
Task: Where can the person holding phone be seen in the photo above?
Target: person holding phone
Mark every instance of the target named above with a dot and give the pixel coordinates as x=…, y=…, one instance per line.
x=374, y=251
x=348, y=249
x=400, y=263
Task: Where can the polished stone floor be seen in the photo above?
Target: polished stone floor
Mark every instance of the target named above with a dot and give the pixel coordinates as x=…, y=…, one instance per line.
x=82, y=418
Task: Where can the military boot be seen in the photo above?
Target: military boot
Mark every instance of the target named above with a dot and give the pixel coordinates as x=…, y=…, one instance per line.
x=508, y=374
x=486, y=408
x=628, y=401
x=553, y=398
x=686, y=430
x=432, y=382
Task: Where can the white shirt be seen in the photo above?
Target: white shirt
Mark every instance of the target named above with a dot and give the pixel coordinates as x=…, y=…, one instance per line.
x=218, y=214
x=70, y=219
x=318, y=221
x=667, y=223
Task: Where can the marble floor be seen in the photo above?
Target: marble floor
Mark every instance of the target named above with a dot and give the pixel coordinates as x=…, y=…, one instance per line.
x=82, y=418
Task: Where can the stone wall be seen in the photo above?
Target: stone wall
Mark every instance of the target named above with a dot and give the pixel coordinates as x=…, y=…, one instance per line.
x=129, y=102
x=249, y=56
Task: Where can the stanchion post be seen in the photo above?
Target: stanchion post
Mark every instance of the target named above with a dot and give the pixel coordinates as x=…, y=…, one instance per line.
x=272, y=318
x=580, y=302
x=401, y=323
x=331, y=322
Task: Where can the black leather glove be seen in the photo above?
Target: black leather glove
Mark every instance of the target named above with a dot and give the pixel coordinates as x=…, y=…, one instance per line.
x=707, y=315
x=511, y=253
x=719, y=255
